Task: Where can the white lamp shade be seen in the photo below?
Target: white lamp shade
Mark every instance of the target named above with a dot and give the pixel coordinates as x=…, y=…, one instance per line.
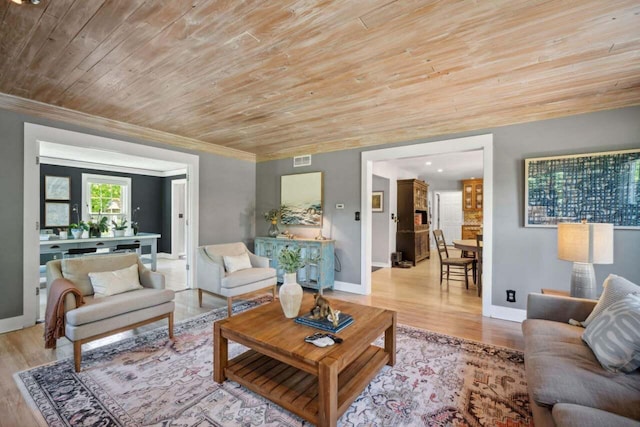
x=585, y=242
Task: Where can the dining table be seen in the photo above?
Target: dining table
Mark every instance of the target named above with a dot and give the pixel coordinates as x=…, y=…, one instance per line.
x=466, y=245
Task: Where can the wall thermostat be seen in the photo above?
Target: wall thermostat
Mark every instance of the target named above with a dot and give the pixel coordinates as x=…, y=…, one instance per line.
x=339, y=205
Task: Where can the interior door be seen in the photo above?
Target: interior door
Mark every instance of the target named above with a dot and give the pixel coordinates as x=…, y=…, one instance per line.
x=450, y=214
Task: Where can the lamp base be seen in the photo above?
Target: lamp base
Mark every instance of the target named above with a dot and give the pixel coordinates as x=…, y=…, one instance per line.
x=583, y=281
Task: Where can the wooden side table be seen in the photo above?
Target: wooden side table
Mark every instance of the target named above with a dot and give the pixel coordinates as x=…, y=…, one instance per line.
x=556, y=292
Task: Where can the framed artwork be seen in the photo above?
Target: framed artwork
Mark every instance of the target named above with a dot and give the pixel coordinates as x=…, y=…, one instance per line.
x=301, y=199
x=57, y=187
x=599, y=187
x=56, y=214
x=377, y=201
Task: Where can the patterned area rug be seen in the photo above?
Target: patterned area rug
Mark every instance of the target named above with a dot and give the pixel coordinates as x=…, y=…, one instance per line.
x=148, y=380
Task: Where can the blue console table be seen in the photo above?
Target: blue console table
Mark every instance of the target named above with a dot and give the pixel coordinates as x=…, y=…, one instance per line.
x=318, y=255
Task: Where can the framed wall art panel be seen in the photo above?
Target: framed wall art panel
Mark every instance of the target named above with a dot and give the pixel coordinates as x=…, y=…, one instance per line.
x=301, y=199
x=56, y=214
x=57, y=187
x=599, y=187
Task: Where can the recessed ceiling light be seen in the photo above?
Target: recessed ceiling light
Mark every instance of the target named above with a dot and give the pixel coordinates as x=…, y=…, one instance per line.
x=439, y=170
x=427, y=163
x=473, y=177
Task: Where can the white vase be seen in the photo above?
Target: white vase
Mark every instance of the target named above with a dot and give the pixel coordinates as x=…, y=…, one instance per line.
x=118, y=233
x=290, y=296
x=77, y=233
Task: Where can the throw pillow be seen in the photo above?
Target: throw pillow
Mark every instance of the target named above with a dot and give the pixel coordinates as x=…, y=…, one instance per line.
x=614, y=336
x=615, y=289
x=236, y=262
x=115, y=282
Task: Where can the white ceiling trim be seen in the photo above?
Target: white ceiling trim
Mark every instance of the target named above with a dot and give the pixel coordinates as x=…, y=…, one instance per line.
x=44, y=160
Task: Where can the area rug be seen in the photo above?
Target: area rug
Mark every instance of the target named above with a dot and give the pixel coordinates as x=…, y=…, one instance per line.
x=148, y=380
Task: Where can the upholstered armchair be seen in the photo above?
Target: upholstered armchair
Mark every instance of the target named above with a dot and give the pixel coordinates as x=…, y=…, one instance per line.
x=109, y=313
x=237, y=277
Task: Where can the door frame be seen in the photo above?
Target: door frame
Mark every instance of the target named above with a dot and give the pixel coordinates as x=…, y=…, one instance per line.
x=175, y=252
x=470, y=143
x=33, y=134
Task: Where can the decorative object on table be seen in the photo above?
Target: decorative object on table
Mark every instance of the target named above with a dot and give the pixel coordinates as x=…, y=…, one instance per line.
x=322, y=340
x=325, y=323
x=77, y=229
x=56, y=214
x=98, y=228
x=600, y=187
x=400, y=395
x=585, y=244
x=57, y=187
x=134, y=220
x=62, y=234
x=272, y=217
x=377, y=201
x=322, y=309
x=119, y=227
x=290, y=293
x=301, y=199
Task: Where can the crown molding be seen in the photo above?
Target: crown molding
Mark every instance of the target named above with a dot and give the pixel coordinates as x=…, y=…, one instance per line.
x=54, y=112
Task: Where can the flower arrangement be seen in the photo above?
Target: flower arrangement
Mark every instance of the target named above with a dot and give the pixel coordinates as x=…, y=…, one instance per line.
x=120, y=225
x=272, y=216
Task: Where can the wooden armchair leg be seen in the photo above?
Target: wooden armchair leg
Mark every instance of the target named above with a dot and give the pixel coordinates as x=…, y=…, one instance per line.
x=171, y=325
x=229, y=309
x=77, y=354
x=199, y=297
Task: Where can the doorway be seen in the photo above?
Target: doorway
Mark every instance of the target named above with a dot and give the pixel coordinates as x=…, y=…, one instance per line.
x=33, y=136
x=178, y=218
x=447, y=213
x=479, y=142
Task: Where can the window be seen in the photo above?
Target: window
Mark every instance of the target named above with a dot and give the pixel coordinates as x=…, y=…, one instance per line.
x=105, y=195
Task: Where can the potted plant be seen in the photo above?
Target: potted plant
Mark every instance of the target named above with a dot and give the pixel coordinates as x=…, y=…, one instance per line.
x=290, y=292
x=78, y=228
x=119, y=227
x=96, y=229
x=134, y=222
x=272, y=217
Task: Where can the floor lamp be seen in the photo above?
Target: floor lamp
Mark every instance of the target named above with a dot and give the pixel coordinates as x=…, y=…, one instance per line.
x=585, y=244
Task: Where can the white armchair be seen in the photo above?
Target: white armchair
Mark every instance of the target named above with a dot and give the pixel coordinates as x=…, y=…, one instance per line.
x=214, y=280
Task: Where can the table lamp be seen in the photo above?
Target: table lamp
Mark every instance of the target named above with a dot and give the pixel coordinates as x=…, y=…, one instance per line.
x=585, y=244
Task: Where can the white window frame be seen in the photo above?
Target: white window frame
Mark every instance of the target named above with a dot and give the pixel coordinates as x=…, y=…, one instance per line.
x=89, y=178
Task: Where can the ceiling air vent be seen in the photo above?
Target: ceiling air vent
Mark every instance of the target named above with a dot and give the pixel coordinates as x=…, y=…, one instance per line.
x=302, y=161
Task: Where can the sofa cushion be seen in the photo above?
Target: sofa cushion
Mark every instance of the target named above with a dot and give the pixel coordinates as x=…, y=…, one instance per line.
x=77, y=269
x=615, y=289
x=247, y=277
x=562, y=369
x=568, y=415
x=103, y=308
x=614, y=336
x=107, y=283
x=233, y=263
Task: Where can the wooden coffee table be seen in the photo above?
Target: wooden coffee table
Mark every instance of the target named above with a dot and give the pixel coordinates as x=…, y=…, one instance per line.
x=318, y=384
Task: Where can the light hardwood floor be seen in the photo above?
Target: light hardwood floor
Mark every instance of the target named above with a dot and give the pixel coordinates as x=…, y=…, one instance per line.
x=414, y=293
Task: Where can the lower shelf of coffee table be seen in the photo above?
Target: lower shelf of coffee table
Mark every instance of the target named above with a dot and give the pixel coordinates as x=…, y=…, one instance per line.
x=297, y=390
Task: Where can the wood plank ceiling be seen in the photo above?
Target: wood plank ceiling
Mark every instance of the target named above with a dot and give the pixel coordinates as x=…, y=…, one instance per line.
x=291, y=77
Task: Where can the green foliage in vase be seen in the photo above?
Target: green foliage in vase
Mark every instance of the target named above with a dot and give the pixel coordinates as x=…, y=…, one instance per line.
x=79, y=226
x=290, y=259
x=120, y=225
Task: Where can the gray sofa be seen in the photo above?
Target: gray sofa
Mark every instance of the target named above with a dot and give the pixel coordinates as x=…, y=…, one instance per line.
x=567, y=385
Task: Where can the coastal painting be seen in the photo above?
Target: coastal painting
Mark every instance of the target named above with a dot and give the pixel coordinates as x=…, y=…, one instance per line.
x=301, y=199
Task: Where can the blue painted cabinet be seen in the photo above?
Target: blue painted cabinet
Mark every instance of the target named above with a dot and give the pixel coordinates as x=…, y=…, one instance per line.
x=318, y=255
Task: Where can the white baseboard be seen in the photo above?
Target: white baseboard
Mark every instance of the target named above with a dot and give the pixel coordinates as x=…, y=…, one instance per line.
x=164, y=255
x=381, y=264
x=353, y=288
x=507, y=313
x=12, y=324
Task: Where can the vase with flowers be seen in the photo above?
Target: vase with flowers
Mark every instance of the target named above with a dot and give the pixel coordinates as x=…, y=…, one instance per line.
x=272, y=217
x=134, y=221
x=290, y=293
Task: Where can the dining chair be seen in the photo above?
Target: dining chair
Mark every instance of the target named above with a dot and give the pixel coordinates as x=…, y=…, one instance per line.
x=461, y=266
x=479, y=265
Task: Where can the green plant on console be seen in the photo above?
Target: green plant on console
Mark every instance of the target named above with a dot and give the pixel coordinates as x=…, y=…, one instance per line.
x=120, y=225
x=79, y=226
x=291, y=259
x=96, y=228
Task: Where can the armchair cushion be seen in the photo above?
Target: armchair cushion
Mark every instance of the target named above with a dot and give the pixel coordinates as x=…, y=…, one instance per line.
x=108, y=283
x=97, y=309
x=233, y=263
x=247, y=277
x=77, y=270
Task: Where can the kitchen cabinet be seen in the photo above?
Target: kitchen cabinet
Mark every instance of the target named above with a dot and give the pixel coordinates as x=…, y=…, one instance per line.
x=472, y=195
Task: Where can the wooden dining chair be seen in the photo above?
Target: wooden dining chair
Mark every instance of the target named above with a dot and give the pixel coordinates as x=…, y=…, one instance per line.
x=479, y=265
x=460, y=266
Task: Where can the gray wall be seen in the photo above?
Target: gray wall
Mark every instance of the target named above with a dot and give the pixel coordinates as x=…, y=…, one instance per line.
x=524, y=259
x=380, y=223
x=227, y=194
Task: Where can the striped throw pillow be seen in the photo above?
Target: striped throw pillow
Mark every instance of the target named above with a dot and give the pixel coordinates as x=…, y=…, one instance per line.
x=614, y=336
